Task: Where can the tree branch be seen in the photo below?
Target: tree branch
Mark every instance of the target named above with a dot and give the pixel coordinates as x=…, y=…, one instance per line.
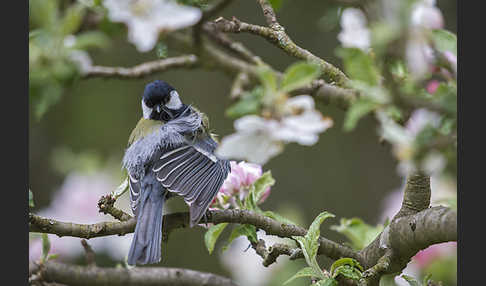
x=279, y=38
x=74, y=275
x=106, y=206
x=89, y=253
x=413, y=228
x=181, y=220
x=142, y=70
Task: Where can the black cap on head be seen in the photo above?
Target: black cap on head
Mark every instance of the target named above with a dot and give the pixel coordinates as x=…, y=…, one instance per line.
x=157, y=92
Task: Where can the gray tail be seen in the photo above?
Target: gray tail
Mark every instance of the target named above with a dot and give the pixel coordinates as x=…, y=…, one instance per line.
x=147, y=239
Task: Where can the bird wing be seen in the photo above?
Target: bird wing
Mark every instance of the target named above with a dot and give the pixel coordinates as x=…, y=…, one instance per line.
x=134, y=186
x=192, y=171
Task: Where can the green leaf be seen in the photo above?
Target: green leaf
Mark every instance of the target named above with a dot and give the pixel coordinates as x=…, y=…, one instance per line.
x=347, y=267
x=269, y=82
x=357, y=110
x=446, y=94
x=348, y=272
x=249, y=103
x=46, y=246
x=388, y=280
x=359, y=65
x=371, y=92
x=310, y=244
x=261, y=184
x=314, y=232
x=299, y=75
x=31, y=199
x=72, y=20
x=359, y=233
x=212, y=234
x=445, y=41
x=276, y=4
x=247, y=230
x=162, y=50
x=305, y=250
x=426, y=279
x=249, y=202
x=48, y=96
x=346, y=261
x=91, y=39
x=410, y=280
x=43, y=13
x=267, y=78
x=52, y=256
x=244, y=106
x=304, y=272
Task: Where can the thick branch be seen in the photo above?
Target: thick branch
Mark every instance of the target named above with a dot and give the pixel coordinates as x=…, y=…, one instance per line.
x=142, y=70
x=45, y=225
x=409, y=234
x=78, y=275
x=181, y=220
x=416, y=196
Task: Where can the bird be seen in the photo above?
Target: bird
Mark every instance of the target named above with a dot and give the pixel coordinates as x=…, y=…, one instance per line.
x=170, y=151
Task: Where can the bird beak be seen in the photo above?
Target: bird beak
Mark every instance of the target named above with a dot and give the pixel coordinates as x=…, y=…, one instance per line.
x=158, y=108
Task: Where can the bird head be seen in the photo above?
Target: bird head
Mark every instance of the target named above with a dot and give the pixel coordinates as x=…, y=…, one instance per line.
x=160, y=101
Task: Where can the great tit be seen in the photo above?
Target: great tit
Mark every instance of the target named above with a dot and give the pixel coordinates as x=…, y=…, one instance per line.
x=170, y=150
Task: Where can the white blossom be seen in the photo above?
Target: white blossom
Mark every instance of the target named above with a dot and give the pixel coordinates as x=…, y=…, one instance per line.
x=425, y=14
x=419, y=55
x=354, y=33
x=241, y=260
x=452, y=59
x=258, y=139
x=82, y=60
x=146, y=18
x=403, y=138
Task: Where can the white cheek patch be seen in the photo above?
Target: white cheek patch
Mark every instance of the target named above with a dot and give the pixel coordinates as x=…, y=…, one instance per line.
x=146, y=110
x=174, y=102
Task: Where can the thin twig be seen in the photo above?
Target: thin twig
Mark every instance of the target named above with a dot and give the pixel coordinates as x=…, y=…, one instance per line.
x=279, y=38
x=106, y=206
x=90, y=255
x=141, y=70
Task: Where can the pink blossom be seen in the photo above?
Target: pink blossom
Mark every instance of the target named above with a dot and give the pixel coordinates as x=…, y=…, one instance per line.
x=77, y=201
x=237, y=185
x=432, y=86
x=424, y=257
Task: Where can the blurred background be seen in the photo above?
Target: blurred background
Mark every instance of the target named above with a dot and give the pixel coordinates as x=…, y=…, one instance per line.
x=76, y=148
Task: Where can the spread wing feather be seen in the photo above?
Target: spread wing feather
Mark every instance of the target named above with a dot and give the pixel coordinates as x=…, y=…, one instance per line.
x=134, y=186
x=193, y=172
